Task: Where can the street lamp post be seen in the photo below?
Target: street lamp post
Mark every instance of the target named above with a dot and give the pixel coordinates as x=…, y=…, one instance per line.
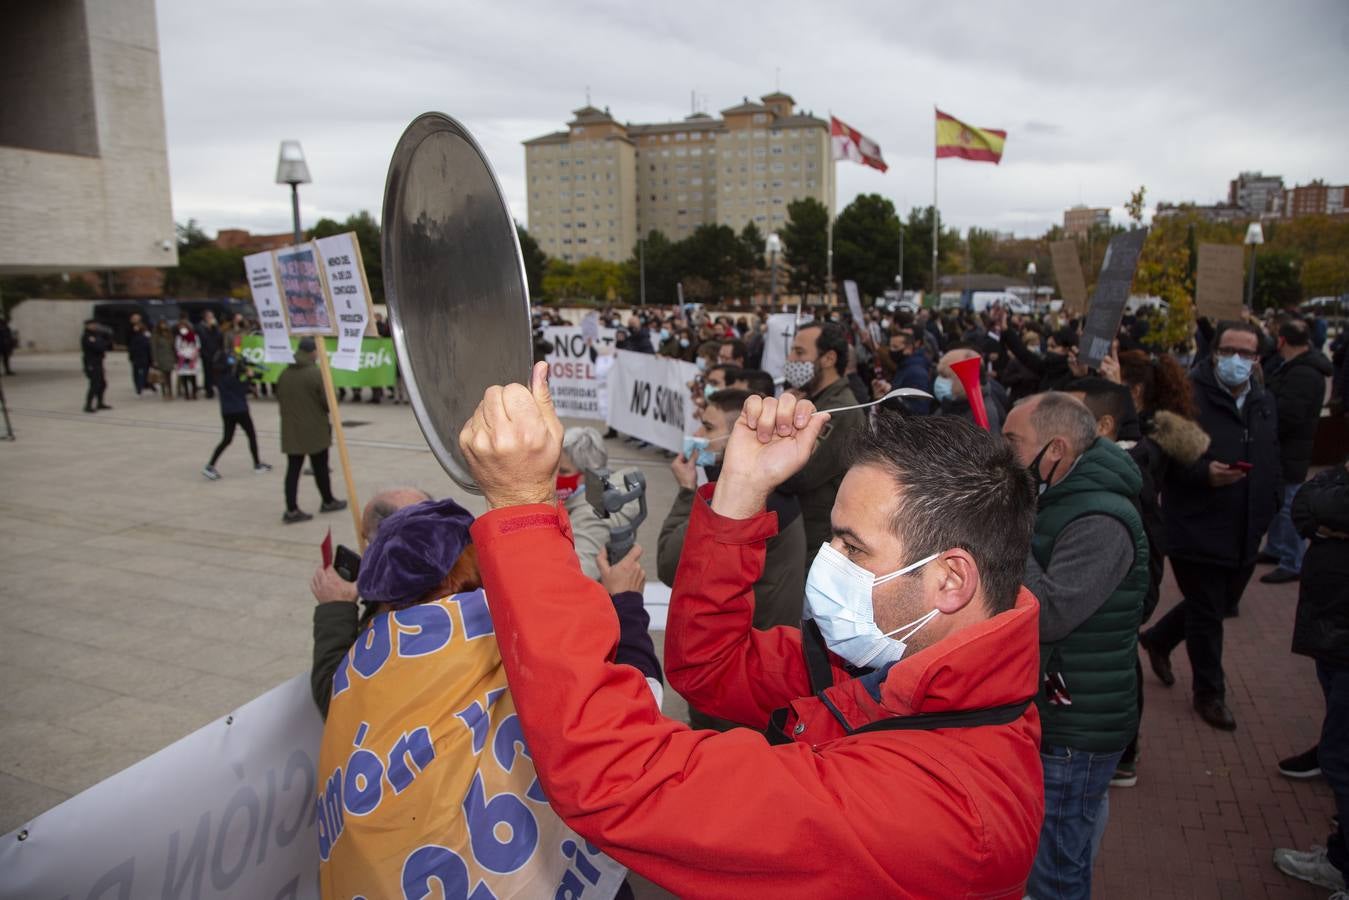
x=899, y=279
x=774, y=244
x=1255, y=236
x=291, y=169
x=1030, y=275
x=641, y=270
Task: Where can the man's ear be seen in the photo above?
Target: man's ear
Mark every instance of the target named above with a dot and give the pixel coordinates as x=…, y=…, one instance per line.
x=829, y=361
x=1105, y=425
x=958, y=580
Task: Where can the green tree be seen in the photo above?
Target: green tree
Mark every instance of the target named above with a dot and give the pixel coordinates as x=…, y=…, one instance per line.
x=1325, y=275
x=918, y=249
x=190, y=236
x=753, y=249
x=368, y=238
x=805, y=238
x=206, y=271
x=711, y=260
x=535, y=261
x=1278, y=280
x=663, y=269
x=866, y=244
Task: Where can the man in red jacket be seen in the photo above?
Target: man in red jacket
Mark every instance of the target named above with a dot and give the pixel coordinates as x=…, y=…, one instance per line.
x=904, y=767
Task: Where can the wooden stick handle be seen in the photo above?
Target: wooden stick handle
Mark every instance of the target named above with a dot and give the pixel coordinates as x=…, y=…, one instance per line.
x=353, y=503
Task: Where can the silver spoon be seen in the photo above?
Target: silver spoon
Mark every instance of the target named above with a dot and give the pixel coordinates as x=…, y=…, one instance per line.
x=897, y=392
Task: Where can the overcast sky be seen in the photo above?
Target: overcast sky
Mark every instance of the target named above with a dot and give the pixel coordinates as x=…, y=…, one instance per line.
x=1096, y=99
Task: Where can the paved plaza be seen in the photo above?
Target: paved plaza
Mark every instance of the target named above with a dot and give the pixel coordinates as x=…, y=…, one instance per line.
x=142, y=601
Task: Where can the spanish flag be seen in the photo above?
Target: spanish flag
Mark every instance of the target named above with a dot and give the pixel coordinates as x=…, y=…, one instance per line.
x=955, y=138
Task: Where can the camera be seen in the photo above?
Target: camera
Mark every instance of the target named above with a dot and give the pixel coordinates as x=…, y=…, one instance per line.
x=608, y=499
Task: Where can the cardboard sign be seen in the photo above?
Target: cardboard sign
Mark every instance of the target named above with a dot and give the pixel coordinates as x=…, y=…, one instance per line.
x=1112, y=292
x=854, y=302
x=1068, y=274
x=1218, y=292
x=306, y=304
x=345, y=276
x=573, y=377
x=261, y=271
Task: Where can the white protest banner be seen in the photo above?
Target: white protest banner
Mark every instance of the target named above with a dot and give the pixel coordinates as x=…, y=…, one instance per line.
x=345, y=274
x=261, y=272
x=573, y=377
x=777, y=342
x=649, y=398
x=228, y=811
x=854, y=302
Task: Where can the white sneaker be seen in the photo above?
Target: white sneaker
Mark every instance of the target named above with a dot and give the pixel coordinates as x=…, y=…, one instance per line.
x=1311, y=865
x=210, y=472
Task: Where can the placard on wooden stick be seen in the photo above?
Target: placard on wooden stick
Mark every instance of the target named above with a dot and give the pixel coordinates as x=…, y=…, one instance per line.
x=1068, y=274
x=1218, y=279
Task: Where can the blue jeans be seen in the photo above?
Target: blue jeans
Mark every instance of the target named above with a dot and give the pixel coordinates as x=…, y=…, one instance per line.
x=1282, y=539
x=1077, y=804
x=1333, y=753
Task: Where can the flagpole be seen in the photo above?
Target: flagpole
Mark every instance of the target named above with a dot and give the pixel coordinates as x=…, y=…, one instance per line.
x=829, y=236
x=936, y=228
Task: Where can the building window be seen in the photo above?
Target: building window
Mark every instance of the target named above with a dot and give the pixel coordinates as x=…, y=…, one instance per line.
x=695, y=181
x=680, y=151
x=760, y=133
x=696, y=136
x=760, y=151
x=696, y=151
x=760, y=117
x=794, y=148
x=680, y=137
x=777, y=150
x=810, y=167
x=665, y=139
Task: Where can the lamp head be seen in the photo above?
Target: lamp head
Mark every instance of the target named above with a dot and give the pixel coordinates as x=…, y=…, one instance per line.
x=1255, y=234
x=290, y=165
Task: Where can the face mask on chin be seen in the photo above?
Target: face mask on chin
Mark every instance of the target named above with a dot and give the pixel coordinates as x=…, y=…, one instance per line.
x=839, y=597
x=798, y=372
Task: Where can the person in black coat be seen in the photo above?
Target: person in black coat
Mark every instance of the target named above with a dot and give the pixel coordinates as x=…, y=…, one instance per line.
x=1215, y=514
x=1298, y=383
x=94, y=345
x=211, y=342
x=232, y=373
x=139, y=353
x=1321, y=631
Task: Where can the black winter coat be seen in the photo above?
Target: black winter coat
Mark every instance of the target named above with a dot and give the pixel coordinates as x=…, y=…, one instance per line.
x=1223, y=526
x=1299, y=386
x=1321, y=629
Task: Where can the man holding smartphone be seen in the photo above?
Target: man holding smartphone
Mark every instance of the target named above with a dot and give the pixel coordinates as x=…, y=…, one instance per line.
x=1216, y=511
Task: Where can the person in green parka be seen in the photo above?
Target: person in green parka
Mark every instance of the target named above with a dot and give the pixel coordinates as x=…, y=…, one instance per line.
x=305, y=431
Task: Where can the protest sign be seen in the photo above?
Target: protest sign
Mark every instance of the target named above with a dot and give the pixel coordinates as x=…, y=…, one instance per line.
x=649, y=398
x=1112, y=292
x=854, y=302
x=573, y=375
x=376, y=370
x=1218, y=277
x=778, y=333
x=261, y=271
x=306, y=305
x=1068, y=274
x=228, y=811
x=345, y=274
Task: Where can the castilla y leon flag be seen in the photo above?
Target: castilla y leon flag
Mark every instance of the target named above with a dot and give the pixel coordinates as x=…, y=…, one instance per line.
x=955, y=138
x=849, y=143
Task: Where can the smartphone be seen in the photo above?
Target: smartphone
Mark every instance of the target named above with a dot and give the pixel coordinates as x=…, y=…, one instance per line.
x=1241, y=466
x=347, y=564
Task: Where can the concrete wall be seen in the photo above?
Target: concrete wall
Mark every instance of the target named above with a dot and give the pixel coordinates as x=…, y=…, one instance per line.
x=50, y=326
x=102, y=203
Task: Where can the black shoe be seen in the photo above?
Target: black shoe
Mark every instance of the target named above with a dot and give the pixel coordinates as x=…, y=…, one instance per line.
x=294, y=515
x=104, y=406
x=1215, y=712
x=1266, y=559
x=1304, y=765
x=90, y=409
x=333, y=505
x=1279, y=576
x=1160, y=663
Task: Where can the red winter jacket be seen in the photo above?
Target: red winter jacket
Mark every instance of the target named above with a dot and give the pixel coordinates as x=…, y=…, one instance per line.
x=949, y=813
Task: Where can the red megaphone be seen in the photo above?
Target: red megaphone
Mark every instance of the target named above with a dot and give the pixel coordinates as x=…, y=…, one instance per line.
x=967, y=370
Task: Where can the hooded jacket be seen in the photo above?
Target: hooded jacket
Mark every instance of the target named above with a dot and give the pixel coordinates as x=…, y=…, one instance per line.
x=953, y=812
x=1321, y=513
x=1299, y=386
x=303, y=406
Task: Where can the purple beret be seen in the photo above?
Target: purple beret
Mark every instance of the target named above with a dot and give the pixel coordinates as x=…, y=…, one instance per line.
x=412, y=552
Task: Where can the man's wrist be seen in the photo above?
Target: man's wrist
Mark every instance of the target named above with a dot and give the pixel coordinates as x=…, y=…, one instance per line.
x=520, y=498
x=733, y=498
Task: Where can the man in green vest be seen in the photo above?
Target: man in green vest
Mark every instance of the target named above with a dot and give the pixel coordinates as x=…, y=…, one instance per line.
x=1088, y=567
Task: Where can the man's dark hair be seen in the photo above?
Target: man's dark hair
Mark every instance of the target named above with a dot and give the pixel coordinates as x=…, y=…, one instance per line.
x=1105, y=398
x=831, y=337
x=1232, y=325
x=757, y=381
x=1295, y=332
x=959, y=486
x=738, y=348
x=1065, y=337
x=730, y=400
x=732, y=371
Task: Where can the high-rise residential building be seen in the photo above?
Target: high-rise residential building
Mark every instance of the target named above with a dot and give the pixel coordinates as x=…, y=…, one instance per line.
x=1316, y=199
x=1255, y=193
x=1081, y=219
x=593, y=188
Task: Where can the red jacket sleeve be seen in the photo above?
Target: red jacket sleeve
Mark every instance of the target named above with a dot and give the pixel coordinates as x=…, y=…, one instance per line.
x=701, y=813
x=714, y=657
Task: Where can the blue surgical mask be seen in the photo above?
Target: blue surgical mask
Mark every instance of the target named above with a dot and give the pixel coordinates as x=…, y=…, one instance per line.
x=701, y=363
x=684, y=343
x=839, y=599
x=941, y=388
x=664, y=335
x=1234, y=371
x=709, y=390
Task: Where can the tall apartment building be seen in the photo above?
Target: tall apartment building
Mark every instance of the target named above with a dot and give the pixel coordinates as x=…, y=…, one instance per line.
x=1255, y=193
x=1316, y=199
x=1081, y=219
x=596, y=186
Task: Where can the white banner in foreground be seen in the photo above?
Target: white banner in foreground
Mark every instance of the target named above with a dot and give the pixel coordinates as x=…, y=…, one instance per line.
x=649, y=398
x=267, y=298
x=345, y=274
x=576, y=380
x=228, y=811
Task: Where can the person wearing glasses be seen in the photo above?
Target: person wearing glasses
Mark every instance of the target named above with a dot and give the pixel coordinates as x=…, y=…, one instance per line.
x=1216, y=511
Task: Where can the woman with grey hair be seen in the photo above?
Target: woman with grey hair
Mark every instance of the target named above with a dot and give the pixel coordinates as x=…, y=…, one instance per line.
x=583, y=451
